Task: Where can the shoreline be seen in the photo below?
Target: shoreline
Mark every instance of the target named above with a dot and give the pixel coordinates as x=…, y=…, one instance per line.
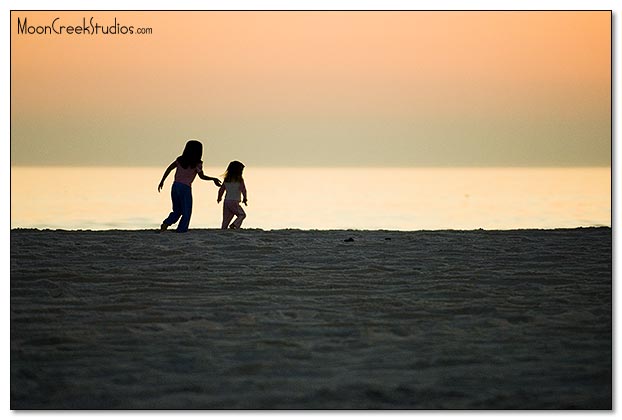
x=172, y=230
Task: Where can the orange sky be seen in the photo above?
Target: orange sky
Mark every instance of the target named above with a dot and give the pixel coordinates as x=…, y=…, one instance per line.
x=397, y=88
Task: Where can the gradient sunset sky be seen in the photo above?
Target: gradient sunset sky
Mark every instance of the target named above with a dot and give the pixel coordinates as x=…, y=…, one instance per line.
x=315, y=89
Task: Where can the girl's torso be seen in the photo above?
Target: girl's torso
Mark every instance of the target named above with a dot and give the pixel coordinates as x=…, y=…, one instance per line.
x=233, y=190
x=187, y=175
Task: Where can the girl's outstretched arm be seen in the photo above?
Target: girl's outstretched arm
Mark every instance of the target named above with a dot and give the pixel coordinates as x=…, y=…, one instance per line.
x=209, y=178
x=168, y=171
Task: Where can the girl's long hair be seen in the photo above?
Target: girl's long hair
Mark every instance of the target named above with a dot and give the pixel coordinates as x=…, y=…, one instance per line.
x=234, y=172
x=191, y=155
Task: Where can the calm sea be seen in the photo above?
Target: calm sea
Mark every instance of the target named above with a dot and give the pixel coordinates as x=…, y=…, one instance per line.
x=321, y=198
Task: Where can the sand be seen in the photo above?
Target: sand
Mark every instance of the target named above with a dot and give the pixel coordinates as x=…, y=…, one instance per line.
x=291, y=319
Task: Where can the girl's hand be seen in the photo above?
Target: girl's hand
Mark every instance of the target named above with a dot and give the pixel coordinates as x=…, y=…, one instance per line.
x=160, y=186
x=219, y=200
x=245, y=202
x=217, y=182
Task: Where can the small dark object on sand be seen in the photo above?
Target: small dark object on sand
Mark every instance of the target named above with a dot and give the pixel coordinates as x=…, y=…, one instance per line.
x=387, y=239
x=349, y=240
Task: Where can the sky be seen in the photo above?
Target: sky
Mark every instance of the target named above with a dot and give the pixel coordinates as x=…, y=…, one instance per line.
x=313, y=88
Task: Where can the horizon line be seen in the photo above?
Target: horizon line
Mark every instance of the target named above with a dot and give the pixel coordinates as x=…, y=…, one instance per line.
x=344, y=166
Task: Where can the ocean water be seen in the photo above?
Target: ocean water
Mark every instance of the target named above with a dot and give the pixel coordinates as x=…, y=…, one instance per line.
x=100, y=198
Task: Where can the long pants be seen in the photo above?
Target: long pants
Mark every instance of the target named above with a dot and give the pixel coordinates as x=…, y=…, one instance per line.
x=232, y=208
x=181, y=195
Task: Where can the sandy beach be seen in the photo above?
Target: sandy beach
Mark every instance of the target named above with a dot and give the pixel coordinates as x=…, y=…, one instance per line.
x=303, y=319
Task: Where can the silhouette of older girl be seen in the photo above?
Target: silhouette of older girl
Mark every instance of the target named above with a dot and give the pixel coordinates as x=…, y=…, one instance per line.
x=187, y=167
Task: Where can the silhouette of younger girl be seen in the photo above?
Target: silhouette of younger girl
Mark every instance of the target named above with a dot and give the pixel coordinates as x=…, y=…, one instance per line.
x=235, y=188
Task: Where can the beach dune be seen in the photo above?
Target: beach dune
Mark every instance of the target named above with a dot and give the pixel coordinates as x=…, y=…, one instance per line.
x=289, y=319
